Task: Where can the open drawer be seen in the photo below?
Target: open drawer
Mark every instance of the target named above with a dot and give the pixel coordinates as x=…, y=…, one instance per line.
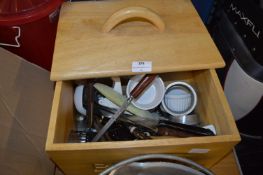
x=90, y=158
x=166, y=33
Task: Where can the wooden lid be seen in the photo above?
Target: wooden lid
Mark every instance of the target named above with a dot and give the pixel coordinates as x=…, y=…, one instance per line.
x=104, y=38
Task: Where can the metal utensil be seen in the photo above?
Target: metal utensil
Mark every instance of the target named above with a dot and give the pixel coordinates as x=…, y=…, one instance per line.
x=190, y=119
x=135, y=120
x=185, y=129
x=90, y=103
x=139, y=88
x=84, y=129
x=89, y=92
x=166, y=126
x=148, y=118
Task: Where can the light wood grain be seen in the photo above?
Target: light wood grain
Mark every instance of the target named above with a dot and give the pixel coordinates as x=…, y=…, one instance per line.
x=226, y=166
x=215, y=102
x=82, y=50
x=133, y=12
x=61, y=120
x=79, y=158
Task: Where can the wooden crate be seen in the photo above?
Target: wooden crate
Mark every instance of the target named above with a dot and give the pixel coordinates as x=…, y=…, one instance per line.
x=173, y=38
x=90, y=158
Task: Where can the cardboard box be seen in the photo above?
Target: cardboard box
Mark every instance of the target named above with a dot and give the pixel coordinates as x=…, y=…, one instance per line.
x=25, y=103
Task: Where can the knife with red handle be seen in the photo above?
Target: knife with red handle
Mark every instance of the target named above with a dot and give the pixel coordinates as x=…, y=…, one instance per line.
x=137, y=91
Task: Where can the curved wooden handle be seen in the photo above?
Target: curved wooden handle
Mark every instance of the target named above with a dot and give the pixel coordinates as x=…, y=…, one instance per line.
x=133, y=12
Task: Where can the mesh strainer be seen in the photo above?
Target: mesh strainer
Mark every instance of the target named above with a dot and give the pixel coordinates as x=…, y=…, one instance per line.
x=180, y=99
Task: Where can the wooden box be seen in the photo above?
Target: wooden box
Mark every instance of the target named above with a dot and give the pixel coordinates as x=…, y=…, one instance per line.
x=172, y=37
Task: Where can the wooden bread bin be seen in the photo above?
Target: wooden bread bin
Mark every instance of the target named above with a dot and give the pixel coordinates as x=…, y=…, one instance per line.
x=103, y=39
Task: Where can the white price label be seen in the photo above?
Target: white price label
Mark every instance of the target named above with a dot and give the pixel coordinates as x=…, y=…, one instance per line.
x=141, y=66
x=199, y=151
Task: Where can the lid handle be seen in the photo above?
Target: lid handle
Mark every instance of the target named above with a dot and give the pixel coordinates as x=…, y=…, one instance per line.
x=133, y=12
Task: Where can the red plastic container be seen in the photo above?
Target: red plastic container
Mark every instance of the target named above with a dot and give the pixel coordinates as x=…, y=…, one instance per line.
x=28, y=29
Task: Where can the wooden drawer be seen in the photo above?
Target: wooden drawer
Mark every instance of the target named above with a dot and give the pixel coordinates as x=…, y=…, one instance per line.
x=90, y=158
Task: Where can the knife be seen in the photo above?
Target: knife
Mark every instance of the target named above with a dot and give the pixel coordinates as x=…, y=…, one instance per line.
x=170, y=128
x=137, y=91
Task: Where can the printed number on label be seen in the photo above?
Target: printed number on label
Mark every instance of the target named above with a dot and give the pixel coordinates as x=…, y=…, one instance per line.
x=141, y=66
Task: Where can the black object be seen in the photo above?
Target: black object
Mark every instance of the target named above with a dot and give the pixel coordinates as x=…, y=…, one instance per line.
x=89, y=92
x=235, y=40
x=204, y=9
x=84, y=124
x=237, y=30
x=250, y=154
x=126, y=118
x=81, y=136
x=119, y=132
x=247, y=19
x=184, y=130
x=139, y=133
x=123, y=130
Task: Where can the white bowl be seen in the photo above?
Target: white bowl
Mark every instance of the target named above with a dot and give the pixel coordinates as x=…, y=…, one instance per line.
x=151, y=97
